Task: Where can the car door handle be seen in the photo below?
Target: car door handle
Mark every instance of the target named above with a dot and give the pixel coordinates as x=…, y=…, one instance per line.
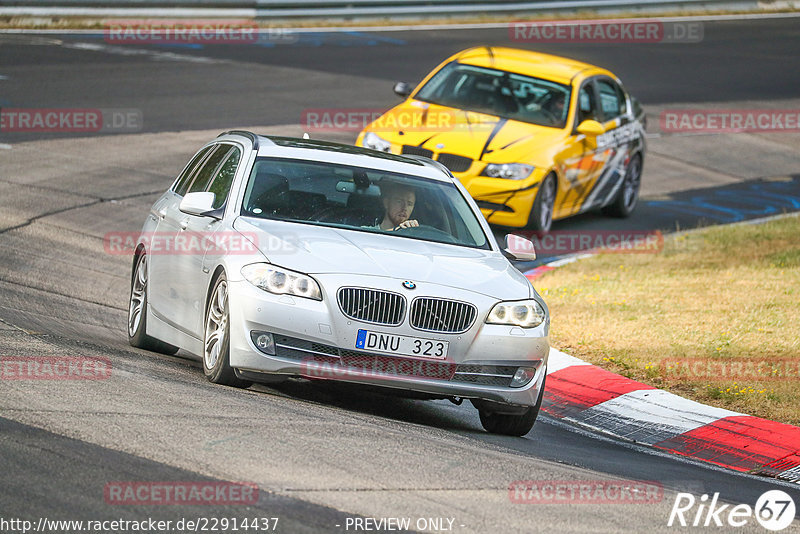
x=162, y=213
x=184, y=223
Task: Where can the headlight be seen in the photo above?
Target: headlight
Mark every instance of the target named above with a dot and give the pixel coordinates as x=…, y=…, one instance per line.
x=281, y=281
x=509, y=171
x=371, y=140
x=524, y=313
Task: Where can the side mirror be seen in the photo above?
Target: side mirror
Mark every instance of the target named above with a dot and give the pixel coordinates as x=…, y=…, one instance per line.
x=591, y=128
x=201, y=204
x=402, y=89
x=519, y=248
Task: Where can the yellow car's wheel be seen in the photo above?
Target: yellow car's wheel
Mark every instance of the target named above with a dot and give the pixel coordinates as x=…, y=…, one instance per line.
x=628, y=196
x=541, y=216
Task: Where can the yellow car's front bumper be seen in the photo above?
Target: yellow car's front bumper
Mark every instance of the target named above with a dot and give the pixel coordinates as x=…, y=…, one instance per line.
x=503, y=202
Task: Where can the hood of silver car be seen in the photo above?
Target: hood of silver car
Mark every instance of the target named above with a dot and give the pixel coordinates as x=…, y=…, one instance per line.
x=315, y=249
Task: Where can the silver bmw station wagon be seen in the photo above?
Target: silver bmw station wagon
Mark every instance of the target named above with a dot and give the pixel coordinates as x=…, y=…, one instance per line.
x=273, y=258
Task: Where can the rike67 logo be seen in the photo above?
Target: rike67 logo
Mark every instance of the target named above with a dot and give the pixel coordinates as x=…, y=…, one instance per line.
x=774, y=510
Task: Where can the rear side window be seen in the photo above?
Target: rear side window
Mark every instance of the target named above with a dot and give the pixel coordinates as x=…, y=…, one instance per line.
x=587, y=108
x=209, y=168
x=221, y=184
x=611, y=99
x=182, y=183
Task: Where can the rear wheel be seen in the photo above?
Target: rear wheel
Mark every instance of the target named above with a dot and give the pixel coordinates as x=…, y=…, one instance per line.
x=137, y=312
x=541, y=216
x=628, y=195
x=216, y=341
x=511, y=424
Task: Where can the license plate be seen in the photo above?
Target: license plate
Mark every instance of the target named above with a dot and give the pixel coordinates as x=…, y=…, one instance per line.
x=402, y=345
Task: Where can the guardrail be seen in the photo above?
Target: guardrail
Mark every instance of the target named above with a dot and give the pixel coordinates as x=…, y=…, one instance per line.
x=340, y=9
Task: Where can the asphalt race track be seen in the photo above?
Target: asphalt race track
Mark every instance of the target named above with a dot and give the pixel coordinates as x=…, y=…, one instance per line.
x=321, y=455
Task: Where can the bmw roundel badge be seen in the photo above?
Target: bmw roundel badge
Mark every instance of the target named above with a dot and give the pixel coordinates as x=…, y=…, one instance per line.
x=408, y=284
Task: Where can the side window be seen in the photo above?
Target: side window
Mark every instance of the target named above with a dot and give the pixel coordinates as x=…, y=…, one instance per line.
x=587, y=107
x=611, y=99
x=221, y=185
x=210, y=165
x=182, y=183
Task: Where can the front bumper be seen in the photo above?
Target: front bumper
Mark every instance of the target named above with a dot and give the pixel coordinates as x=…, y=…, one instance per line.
x=503, y=202
x=314, y=339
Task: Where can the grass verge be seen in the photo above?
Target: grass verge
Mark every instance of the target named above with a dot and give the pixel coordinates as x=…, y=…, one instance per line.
x=714, y=316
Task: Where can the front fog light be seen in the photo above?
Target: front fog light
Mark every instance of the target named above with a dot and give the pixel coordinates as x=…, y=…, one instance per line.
x=263, y=342
x=523, y=376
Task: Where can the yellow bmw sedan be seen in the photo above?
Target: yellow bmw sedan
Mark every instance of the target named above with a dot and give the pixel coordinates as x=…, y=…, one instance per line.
x=533, y=137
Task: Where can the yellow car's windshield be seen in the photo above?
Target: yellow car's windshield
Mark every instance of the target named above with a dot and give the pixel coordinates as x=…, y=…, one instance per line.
x=496, y=92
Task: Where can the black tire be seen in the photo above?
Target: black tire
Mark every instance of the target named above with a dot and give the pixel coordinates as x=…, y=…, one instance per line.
x=137, y=311
x=541, y=216
x=512, y=424
x=216, y=338
x=628, y=196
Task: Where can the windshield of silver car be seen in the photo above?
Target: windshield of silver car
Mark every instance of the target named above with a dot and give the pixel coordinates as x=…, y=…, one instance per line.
x=361, y=199
x=496, y=92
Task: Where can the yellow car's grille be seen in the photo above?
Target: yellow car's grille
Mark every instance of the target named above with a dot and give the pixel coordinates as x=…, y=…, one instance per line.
x=454, y=162
x=417, y=151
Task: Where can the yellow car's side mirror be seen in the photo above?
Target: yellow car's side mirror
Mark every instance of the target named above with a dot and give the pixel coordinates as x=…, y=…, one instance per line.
x=591, y=128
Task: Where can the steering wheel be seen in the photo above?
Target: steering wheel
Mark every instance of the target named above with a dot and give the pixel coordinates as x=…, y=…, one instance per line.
x=325, y=212
x=427, y=232
x=549, y=115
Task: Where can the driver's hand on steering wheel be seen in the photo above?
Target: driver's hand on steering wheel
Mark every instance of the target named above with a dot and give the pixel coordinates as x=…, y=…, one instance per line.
x=411, y=223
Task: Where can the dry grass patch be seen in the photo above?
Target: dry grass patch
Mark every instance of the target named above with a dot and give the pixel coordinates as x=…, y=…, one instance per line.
x=714, y=317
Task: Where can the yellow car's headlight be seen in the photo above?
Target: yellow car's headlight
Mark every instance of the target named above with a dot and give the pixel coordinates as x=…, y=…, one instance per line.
x=508, y=171
x=373, y=141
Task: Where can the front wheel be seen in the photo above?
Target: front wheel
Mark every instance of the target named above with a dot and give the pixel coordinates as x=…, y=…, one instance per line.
x=216, y=341
x=511, y=424
x=628, y=195
x=137, y=312
x=541, y=216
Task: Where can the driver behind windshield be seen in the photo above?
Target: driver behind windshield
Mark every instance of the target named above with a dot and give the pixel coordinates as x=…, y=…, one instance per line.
x=398, y=203
x=554, y=105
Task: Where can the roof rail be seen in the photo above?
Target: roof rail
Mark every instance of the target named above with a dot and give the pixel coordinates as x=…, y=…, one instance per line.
x=250, y=135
